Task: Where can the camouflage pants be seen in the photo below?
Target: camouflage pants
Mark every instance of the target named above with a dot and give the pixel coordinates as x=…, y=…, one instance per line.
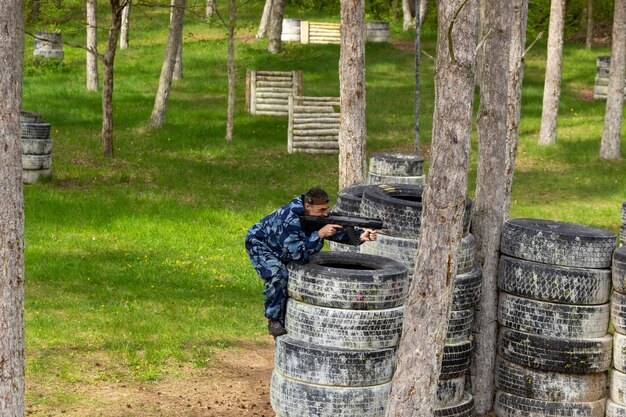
x=274, y=274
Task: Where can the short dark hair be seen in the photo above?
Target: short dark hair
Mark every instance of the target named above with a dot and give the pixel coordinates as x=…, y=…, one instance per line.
x=316, y=196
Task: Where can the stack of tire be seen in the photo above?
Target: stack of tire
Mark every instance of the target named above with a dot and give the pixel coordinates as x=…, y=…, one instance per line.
x=396, y=168
x=554, y=348
x=348, y=204
x=344, y=321
x=622, y=230
x=36, y=147
x=399, y=206
x=616, y=404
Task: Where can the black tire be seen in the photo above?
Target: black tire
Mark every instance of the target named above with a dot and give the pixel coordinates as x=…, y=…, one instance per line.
x=36, y=146
x=36, y=162
x=619, y=270
x=29, y=117
x=558, y=243
x=401, y=249
x=553, y=320
x=375, y=179
x=467, y=254
x=30, y=176
x=553, y=283
x=346, y=329
x=508, y=405
x=456, y=359
x=618, y=312
x=622, y=234
x=614, y=410
x=619, y=351
x=450, y=391
x=397, y=164
x=549, y=386
x=349, y=281
x=398, y=206
x=467, y=288
x=337, y=367
x=341, y=247
x=575, y=356
x=463, y=409
x=349, y=200
x=459, y=325
x=34, y=130
x=624, y=212
x=291, y=398
x=617, y=387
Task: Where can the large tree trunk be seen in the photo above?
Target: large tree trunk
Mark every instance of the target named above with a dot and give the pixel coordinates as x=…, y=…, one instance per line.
x=589, y=37
x=11, y=212
x=92, y=46
x=407, y=16
x=178, y=63
x=610, y=145
x=125, y=26
x=265, y=18
x=418, y=47
x=107, y=84
x=552, y=86
x=274, y=44
x=352, y=133
x=209, y=8
x=490, y=189
x=425, y=315
x=167, y=70
x=422, y=9
x=230, y=114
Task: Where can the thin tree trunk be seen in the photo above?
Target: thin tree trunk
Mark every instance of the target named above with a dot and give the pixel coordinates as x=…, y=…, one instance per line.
x=589, y=37
x=352, y=133
x=514, y=86
x=418, y=47
x=423, y=9
x=107, y=84
x=178, y=64
x=33, y=16
x=490, y=193
x=265, y=18
x=407, y=16
x=480, y=37
x=167, y=70
x=394, y=10
x=554, y=66
x=210, y=8
x=125, y=26
x=230, y=116
x=610, y=145
x=425, y=313
x=274, y=44
x=11, y=212
x=92, y=46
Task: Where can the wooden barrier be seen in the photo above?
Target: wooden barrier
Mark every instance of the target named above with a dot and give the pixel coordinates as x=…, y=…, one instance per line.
x=313, y=125
x=267, y=92
x=316, y=32
x=601, y=84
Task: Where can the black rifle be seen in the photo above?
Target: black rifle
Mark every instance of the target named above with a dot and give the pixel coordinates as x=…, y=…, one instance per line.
x=346, y=222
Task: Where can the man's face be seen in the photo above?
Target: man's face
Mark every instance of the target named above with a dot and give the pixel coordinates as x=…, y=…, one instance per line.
x=318, y=210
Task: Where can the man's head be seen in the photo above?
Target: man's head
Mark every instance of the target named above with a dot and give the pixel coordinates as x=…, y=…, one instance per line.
x=316, y=202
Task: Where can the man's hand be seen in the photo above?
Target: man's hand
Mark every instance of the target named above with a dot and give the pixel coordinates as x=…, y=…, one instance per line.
x=328, y=230
x=368, y=235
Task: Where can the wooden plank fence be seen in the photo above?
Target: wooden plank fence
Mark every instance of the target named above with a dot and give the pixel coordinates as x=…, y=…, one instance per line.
x=601, y=84
x=313, y=125
x=317, y=32
x=268, y=92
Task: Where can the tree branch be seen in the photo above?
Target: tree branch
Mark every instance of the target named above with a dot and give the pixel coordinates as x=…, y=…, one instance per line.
x=450, y=46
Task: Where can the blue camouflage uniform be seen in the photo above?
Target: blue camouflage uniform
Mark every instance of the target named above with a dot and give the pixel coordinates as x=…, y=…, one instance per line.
x=277, y=240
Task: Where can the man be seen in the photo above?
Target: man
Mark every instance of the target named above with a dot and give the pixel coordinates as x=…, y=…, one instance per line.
x=279, y=239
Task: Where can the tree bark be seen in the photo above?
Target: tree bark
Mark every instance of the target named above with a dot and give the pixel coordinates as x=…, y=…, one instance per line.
x=552, y=86
x=352, y=133
x=418, y=47
x=514, y=86
x=425, y=315
x=11, y=212
x=178, y=63
x=274, y=44
x=589, y=37
x=407, y=16
x=107, y=84
x=265, y=18
x=490, y=193
x=167, y=70
x=422, y=8
x=92, y=46
x=230, y=114
x=209, y=8
x=610, y=145
x=125, y=26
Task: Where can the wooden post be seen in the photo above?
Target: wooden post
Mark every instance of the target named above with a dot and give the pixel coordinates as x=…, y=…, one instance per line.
x=290, y=126
x=248, y=91
x=304, y=31
x=253, y=92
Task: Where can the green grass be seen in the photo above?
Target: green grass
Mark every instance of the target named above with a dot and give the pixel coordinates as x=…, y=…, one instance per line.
x=139, y=261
